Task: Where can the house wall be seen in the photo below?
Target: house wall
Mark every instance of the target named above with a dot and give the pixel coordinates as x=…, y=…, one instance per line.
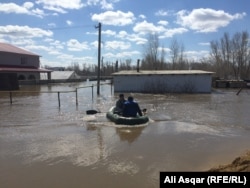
x=13, y=59
x=8, y=81
x=28, y=76
x=176, y=83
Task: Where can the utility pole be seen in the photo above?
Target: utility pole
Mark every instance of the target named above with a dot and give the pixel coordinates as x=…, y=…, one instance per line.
x=99, y=27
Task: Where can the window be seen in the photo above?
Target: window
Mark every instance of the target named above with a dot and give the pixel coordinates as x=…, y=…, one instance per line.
x=21, y=77
x=24, y=60
x=31, y=77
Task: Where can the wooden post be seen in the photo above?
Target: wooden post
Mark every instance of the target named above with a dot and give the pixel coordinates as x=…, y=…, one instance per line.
x=58, y=94
x=92, y=92
x=111, y=85
x=10, y=97
x=239, y=91
x=76, y=98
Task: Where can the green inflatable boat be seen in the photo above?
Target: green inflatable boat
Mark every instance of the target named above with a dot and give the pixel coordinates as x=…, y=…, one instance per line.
x=117, y=119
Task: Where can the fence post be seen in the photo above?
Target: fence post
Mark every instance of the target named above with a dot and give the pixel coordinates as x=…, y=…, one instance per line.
x=111, y=87
x=76, y=98
x=10, y=97
x=92, y=92
x=58, y=94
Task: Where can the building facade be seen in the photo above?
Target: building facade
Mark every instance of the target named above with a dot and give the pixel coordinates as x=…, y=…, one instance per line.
x=21, y=62
x=167, y=81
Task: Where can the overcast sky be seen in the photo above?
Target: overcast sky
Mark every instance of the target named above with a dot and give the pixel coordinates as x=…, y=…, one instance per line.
x=63, y=32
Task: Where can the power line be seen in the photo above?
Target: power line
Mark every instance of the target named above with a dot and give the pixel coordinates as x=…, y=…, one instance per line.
x=69, y=27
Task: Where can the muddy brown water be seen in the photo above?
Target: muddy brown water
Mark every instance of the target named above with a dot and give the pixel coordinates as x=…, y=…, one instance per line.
x=42, y=145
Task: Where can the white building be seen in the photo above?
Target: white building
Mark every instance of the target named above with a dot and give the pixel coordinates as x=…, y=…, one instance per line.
x=165, y=81
x=61, y=75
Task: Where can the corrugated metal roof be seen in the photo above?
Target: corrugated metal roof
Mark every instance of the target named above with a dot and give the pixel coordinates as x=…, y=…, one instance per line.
x=161, y=72
x=4, y=47
x=61, y=75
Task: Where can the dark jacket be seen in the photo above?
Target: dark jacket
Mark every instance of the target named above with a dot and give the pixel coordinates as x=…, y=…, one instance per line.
x=119, y=106
x=131, y=108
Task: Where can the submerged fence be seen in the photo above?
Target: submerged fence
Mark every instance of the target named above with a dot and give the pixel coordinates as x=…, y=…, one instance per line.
x=58, y=92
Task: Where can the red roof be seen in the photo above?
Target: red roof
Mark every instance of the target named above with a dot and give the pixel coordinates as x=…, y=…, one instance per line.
x=4, y=47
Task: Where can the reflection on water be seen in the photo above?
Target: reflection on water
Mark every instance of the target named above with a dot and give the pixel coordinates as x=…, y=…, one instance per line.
x=129, y=134
x=43, y=143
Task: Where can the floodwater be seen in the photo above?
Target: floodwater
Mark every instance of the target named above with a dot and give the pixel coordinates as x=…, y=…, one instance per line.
x=42, y=145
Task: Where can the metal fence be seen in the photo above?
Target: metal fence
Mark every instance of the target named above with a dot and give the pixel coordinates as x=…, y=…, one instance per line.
x=58, y=92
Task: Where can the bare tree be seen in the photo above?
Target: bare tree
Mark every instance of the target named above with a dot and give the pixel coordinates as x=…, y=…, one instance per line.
x=216, y=55
x=174, y=52
x=151, y=52
x=232, y=56
x=126, y=65
x=240, y=55
x=177, y=55
x=162, y=58
x=226, y=50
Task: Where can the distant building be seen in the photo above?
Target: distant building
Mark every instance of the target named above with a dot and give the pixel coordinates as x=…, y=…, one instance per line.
x=56, y=68
x=25, y=64
x=165, y=81
x=61, y=76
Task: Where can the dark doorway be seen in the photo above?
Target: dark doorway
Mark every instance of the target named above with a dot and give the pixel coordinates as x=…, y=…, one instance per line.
x=8, y=81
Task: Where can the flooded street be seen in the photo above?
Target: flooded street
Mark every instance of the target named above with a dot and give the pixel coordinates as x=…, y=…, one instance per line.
x=42, y=145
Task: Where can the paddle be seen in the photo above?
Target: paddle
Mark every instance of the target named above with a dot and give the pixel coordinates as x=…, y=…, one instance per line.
x=90, y=112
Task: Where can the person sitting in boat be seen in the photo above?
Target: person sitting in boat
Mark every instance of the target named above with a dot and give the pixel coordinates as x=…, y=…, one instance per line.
x=131, y=108
x=119, y=104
